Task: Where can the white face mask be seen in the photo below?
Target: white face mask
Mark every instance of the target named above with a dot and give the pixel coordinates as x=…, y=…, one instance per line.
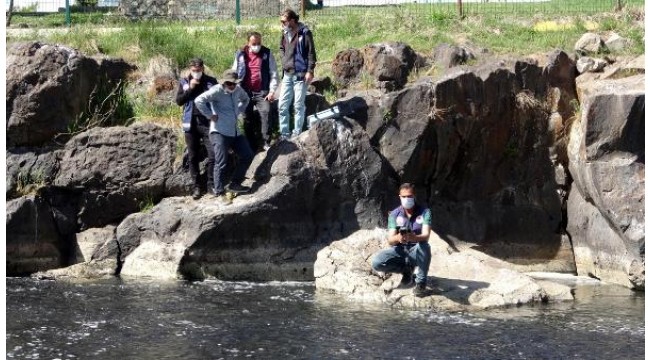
x=196, y=74
x=407, y=203
x=256, y=48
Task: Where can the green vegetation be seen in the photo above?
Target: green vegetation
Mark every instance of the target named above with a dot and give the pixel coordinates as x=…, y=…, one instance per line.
x=514, y=29
x=147, y=204
x=28, y=183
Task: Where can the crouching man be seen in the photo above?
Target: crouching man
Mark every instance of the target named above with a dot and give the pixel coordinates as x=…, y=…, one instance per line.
x=408, y=235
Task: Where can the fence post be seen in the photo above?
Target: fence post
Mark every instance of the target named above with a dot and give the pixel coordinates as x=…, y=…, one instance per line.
x=302, y=9
x=460, y=8
x=619, y=6
x=67, y=13
x=237, y=12
x=10, y=12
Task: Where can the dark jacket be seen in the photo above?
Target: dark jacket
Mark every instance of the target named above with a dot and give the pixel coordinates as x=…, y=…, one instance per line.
x=398, y=219
x=269, y=68
x=298, y=55
x=185, y=97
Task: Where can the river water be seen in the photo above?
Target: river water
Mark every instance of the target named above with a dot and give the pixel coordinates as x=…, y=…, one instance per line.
x=120, y=319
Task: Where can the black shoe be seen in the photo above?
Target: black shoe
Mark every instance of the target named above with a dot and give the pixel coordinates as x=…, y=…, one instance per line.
x=420, y=290
x=196, y=193
x=238, y=188
x=407, y=277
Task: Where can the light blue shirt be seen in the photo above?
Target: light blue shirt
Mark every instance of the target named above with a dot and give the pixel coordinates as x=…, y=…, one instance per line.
x=226, y=106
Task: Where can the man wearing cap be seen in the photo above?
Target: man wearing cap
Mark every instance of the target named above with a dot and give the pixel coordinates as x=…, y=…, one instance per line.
x=408, y=235
x=222, y=104
x=195, y=125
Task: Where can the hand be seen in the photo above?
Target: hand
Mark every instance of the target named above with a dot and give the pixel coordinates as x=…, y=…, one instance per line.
x=214, y=117
x=270, y=97
x=309, y=77
x=400, y=239
x=193, y=83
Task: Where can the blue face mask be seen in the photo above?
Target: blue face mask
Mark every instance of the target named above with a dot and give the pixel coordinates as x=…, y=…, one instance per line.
x=407, y=203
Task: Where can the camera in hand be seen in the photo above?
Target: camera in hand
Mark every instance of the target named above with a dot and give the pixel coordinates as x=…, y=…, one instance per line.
x=404, y=231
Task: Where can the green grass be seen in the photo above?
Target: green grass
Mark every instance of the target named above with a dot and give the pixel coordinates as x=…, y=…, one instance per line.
x=503, y=29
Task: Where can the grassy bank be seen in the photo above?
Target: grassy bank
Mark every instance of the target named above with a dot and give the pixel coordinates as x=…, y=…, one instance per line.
x=336, y=30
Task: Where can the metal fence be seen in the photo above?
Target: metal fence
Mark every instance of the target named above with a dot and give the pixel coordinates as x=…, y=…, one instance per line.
x=480, y=7
x=241, y=10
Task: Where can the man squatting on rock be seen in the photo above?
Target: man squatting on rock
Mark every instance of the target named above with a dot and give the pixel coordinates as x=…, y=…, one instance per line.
x=408, y=235
x=222, y=104
x=257, y=70
x=195, y=125
x=298, y=56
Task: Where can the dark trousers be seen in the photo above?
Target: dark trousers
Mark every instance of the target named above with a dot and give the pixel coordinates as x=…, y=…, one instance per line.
x=257, y=130
x=197, y=137
x=240, y=146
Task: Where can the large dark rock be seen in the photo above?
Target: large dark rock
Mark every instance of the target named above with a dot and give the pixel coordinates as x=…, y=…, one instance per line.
x=607, y=163
x=447, y=56
x=389, y=64
x=347, y=66
x=29, y=168
x=33, y=240
x=477, y=146
x=48, y=87
x=324, y=186
x=116, y=171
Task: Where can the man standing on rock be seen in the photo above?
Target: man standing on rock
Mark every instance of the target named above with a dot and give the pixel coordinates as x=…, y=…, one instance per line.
x=298, y=62
x=195, y=125
x=257, y=70
x=226, y=101
x=408, y=235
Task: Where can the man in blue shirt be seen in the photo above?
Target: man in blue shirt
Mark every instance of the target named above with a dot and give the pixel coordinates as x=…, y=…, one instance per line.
x=409, y=226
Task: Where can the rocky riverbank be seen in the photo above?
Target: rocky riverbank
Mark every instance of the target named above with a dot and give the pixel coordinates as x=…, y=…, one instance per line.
x=526, y=164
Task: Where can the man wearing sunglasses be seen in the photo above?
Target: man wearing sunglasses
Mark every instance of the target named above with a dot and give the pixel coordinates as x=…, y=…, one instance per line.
x=226, y=101
x=298, y=56
x=408, y=235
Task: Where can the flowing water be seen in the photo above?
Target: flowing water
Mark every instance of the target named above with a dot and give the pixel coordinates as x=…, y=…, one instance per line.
x=119, y=319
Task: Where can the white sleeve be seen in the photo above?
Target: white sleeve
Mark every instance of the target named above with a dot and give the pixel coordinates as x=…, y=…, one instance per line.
x=273, y=69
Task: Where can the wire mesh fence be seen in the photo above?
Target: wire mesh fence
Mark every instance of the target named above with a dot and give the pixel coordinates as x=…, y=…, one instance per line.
x=481, y=7
x=241, y=10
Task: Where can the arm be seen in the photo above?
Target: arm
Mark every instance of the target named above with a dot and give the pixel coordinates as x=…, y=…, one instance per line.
x=311, y=56
x=394, y=237
x=203, y=100
x=281, y=44
x=273, y=70
x=243, y=100
x=183, y=95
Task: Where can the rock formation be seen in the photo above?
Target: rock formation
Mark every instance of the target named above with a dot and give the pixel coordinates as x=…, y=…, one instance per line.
x=498, y=151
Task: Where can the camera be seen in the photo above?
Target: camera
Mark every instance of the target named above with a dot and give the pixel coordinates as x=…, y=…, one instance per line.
x=404, y=231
